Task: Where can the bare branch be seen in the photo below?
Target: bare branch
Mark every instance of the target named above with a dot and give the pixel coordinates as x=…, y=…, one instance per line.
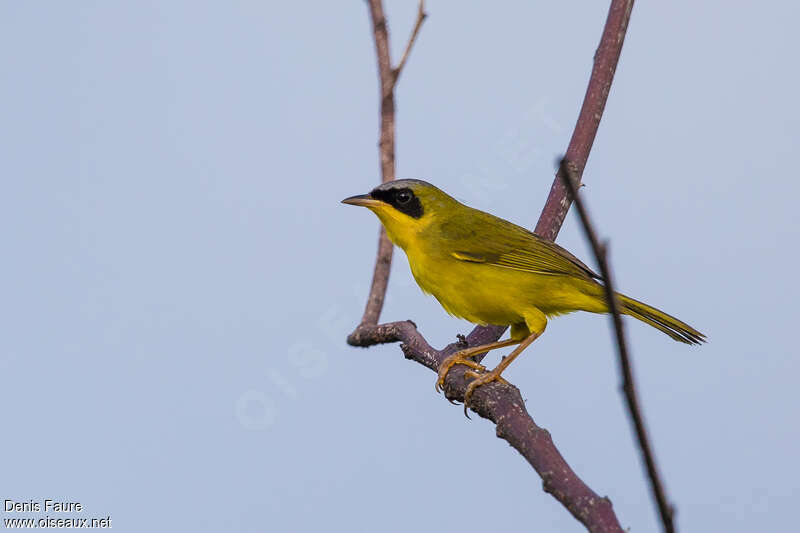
x=417, y=25
x=383, y=261
x=605, y=64
x=380, y=280
x=388, y=77
x=498, y=402
x=665, y=510
x=503, y=405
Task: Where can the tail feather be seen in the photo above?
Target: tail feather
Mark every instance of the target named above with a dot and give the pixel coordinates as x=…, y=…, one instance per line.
x=680, y=331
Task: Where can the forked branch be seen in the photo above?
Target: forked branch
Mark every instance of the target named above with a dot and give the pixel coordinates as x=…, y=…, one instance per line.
x=388, y=77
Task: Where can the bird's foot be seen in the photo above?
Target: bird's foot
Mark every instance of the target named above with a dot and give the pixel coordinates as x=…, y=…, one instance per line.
x=458, y=358
x=479, y=379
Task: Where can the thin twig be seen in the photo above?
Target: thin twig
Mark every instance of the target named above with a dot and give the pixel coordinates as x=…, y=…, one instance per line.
x=388, y=77
x=501, y=403
x=665, y=510
x=417, y=25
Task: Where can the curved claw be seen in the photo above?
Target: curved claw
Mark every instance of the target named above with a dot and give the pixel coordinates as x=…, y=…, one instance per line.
x=470, y=388
x=455, y=359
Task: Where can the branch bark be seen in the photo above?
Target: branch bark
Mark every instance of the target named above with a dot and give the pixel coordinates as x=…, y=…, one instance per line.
x=498, y=402
x=388, y=80
x=665, y=510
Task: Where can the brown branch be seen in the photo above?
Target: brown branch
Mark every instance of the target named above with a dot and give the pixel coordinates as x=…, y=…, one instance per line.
x=380, y=280
x=388, y=77
x=498, y=402
x=594, y=103
x=665, y=510
x=503, y=405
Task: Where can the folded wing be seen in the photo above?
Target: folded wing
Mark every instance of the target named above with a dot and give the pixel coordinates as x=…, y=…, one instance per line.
x=492, y=240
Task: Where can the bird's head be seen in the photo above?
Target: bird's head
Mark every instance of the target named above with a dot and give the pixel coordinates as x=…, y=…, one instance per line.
x=405, y=206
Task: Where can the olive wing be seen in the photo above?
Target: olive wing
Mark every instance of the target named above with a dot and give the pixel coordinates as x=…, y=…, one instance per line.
x=479, y=237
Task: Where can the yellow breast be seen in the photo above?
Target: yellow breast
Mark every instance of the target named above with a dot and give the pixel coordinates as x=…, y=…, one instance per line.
x=477, y=293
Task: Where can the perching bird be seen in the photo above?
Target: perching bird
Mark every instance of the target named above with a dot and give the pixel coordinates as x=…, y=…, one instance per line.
x=489, y=271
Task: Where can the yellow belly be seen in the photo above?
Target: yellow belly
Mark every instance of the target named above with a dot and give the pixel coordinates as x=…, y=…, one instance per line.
x=487, y=294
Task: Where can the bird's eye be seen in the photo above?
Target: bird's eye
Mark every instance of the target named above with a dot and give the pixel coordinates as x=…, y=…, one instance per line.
x=403, y=197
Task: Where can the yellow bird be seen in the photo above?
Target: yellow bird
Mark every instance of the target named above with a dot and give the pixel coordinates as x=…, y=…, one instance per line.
x=489, y=271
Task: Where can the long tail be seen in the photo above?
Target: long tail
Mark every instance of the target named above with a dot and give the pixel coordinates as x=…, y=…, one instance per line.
x=680, y=331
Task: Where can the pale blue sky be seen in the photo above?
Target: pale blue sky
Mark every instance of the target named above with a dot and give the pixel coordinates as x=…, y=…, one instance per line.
x=178, y=275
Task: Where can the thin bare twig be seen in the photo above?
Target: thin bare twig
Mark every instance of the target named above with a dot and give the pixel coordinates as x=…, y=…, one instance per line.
x=498, y=402
x=665, y=510
x=417, y=25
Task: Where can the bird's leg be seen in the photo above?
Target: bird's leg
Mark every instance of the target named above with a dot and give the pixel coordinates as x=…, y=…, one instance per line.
x=462, y=357
x=494, y=375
